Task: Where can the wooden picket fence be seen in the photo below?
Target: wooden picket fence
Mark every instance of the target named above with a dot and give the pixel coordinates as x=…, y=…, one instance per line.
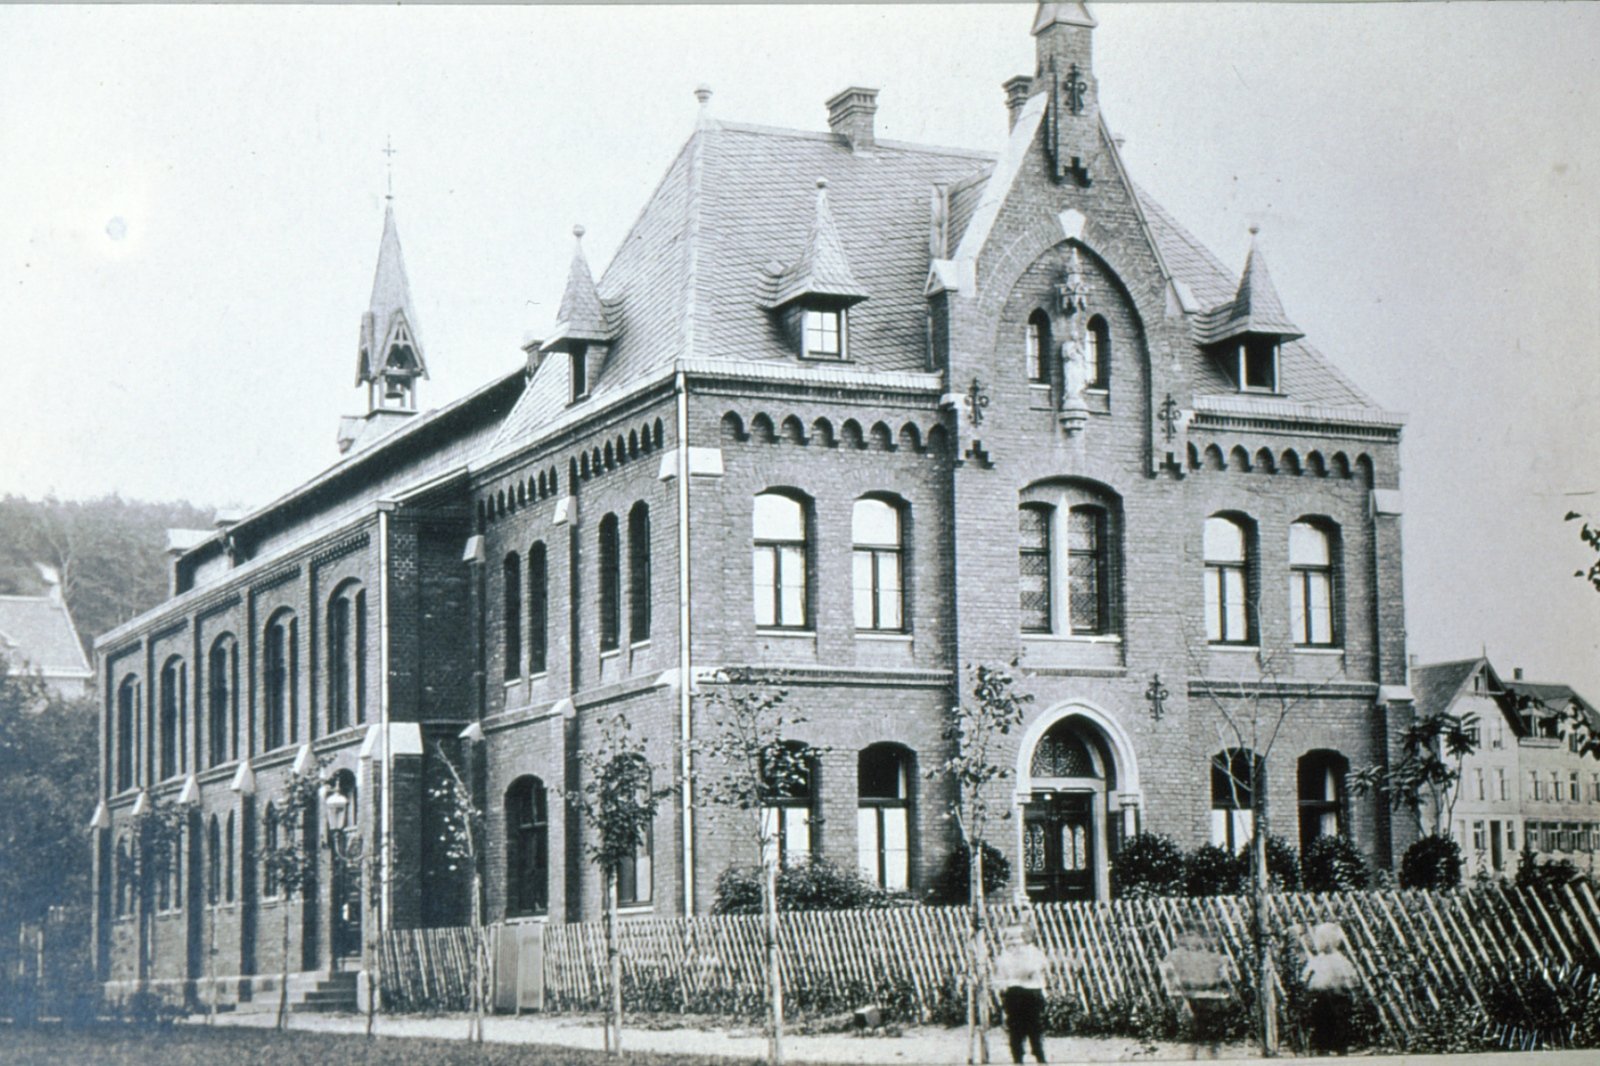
x=1413, y=950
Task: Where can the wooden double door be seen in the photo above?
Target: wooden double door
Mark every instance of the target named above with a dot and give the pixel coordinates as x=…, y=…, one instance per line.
x=1058, y=847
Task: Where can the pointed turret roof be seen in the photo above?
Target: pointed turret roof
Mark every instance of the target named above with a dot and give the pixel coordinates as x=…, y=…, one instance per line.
x=1066, y=14
x=822, y=269
x=1255, y=307
x=582, y=316
x=389, y=312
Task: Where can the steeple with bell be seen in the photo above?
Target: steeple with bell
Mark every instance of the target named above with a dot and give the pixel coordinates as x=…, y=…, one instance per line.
x=390, y=359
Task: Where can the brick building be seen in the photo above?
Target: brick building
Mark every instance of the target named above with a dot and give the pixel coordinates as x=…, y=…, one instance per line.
x=1531, y=784
x=849, y=411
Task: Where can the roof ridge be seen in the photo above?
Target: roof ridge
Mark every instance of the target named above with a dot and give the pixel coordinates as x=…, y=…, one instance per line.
x=821, y=135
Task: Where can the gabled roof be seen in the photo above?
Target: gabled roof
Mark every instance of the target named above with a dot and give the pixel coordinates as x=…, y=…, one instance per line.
x=37, y=631
x=693, y=275
x=822, y=269
x=1556, y=698
x=1437, y=685
x=1255, y=307
x=582, y=316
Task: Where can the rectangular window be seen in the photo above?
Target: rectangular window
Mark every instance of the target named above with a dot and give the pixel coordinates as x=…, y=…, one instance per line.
x=1534, y=786
x=876, y=572
x=1034, y=561
x=1511, y=837
x=1574, y=790
x=1258, y=364
x=1478, y=773
x=882, y=846
x=1225, y=597
x=1555, y=786
x=634, y=874
x=787, y=831
x=1594, y=788
x=824, y=334
x=1500, y=777
x=1086, y=576
x=1480, y=840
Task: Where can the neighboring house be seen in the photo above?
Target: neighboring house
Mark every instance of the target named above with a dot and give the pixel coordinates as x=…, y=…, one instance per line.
x=852, y=414
x=37, y=637
x=1529, y=784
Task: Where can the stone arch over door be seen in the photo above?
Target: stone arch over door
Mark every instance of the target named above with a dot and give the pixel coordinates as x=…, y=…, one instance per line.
x=1077, y=796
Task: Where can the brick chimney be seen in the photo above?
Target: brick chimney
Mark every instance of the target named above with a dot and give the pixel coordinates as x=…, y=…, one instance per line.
x=1018, y=89
x=850, y=116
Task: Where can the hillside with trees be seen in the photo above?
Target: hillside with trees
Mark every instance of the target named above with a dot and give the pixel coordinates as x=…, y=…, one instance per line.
x=110, y=553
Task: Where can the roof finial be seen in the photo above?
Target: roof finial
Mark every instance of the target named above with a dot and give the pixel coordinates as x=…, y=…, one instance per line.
x=1255, y=228
x=702, y=92
x=578, y=231
x=389, y=150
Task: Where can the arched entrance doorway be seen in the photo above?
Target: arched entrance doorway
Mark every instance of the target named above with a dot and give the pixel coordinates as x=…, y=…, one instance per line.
x=1078, y=793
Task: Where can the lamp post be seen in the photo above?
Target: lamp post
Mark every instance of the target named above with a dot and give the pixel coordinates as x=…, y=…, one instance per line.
x=345, y=846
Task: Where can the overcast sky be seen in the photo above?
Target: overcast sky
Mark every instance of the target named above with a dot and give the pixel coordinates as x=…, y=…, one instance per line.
x=193, y=198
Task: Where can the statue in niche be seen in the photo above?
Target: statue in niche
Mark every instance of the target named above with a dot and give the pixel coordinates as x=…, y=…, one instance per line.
x=1073, y=293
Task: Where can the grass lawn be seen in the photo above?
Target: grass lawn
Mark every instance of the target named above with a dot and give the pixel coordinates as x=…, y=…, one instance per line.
x=193, y=1045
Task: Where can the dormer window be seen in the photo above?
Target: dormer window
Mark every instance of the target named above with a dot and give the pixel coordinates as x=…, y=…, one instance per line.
x=823, y=331
x=1257, y=366
x=578, y=372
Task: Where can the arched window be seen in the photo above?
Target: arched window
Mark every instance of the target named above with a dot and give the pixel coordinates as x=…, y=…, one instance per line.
x=639, y=573
x=1227, y=554
x=281, y=680
x=636, y=872
x=227, y=860
x=127, y=715
x=222, y=700
x=610, y=583
x=1321, y=786
x=214, y=861
x=538, y=609
x=172, y=708
x=269, y=847
x=1036, y=348
x=786, y=803
x=1069, y=559
x=1235, y=774
x=1098, y=371
x=347, y=657
x=123, y=872
x=527, y=848
x=1312, y=589
x=1033, y=522
x=878, y=575
x=883, y=815
x=779, y=564
x=511, y=578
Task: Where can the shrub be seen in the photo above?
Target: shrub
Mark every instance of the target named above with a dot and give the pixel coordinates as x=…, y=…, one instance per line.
x=1148, y=865
x=1432, y=862
x=1283, y=865
x=813, y=885
x=951, y=886
x=1211, y=871
x=1333, y=864
x=1541, y=1003
x=1546, y=875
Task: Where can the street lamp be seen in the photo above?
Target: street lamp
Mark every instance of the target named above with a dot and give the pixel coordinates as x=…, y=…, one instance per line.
x=346, y=846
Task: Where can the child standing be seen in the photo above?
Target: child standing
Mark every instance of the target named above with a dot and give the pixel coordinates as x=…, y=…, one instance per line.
x=1019, y=977
x=1331, y=980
